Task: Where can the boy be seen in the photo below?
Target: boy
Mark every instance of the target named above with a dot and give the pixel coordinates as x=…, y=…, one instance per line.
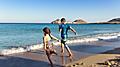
x=63, y=28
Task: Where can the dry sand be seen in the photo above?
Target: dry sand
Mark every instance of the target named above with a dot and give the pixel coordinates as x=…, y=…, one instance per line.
x=92, y=61
x=98, y=60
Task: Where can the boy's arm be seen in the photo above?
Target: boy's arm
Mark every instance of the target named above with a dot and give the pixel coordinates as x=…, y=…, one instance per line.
x=73, y=30
x=60, y=28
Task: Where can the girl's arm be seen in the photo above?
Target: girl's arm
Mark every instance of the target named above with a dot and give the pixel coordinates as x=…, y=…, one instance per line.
x=54, y=37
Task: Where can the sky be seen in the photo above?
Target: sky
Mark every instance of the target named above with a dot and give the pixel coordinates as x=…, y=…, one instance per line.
x=49, y=10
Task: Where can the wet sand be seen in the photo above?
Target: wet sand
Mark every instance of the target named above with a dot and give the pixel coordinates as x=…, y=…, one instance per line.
x=81, y=51
x=37, y=58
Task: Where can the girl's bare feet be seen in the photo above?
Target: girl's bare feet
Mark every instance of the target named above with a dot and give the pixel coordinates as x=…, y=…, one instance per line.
x=53, y=52
x=62, y=54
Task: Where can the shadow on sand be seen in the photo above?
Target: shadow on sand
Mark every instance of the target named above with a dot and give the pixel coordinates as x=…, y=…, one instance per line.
x=10, y=61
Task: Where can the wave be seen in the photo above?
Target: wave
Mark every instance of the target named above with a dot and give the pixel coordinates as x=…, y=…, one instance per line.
x=95, y=37
x=78, y=39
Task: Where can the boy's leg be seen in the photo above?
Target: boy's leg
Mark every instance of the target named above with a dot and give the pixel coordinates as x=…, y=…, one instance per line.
x=62, y=47
x=68, y=50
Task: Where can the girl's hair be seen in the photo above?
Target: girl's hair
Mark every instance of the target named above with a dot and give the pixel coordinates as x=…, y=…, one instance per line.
x=47, y=30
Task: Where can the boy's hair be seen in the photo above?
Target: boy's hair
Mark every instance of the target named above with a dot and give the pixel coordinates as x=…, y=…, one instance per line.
x=63, y=20
x=47, y=30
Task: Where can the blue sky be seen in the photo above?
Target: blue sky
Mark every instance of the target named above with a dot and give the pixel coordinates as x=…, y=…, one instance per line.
x=48, y=10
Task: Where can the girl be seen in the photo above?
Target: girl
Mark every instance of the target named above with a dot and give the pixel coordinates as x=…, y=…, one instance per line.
x=48, y=45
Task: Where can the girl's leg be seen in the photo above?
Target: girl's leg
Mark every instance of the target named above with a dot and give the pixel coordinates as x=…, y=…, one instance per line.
x=48, y=56
x=52, y=50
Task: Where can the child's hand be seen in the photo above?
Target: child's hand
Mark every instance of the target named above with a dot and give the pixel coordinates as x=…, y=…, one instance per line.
x=75, y=33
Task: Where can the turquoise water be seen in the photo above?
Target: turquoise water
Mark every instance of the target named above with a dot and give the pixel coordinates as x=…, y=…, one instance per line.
x=12, y=35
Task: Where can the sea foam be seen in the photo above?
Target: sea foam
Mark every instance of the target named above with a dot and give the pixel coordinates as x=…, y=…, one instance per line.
x=107, y=37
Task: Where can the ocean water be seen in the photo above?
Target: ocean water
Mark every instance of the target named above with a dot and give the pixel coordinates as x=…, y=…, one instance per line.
x=16, y=35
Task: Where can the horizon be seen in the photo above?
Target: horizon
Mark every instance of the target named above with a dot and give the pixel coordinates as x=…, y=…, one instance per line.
x=46, y=11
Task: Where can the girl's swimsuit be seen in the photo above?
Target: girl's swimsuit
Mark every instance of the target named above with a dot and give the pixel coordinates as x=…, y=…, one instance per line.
x=50, y=41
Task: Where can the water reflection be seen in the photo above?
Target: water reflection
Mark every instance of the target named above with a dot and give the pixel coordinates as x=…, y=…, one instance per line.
x=65, y=60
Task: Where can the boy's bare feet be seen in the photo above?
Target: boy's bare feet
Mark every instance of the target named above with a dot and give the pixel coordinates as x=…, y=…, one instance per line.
x=70, y=55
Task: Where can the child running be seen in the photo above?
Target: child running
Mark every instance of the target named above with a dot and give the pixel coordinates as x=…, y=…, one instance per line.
x=48, y=45
x=63, y=28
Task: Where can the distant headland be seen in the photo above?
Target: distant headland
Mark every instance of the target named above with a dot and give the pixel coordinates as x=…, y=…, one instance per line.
x=81, y=21
x=78, y=21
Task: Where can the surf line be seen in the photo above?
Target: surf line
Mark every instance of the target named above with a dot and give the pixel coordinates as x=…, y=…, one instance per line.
x=107, y=36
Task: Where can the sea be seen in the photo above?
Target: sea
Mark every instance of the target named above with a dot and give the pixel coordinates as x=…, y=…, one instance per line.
x=14, y=35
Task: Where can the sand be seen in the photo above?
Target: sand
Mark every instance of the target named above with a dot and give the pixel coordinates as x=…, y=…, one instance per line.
x=92, y=61
x=38, y=59
x=85, y=55
x=98, y=60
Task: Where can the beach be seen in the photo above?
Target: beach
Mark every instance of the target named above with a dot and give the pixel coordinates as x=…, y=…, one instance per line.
x=26, y=48
x=59, y=33
x=85, y=55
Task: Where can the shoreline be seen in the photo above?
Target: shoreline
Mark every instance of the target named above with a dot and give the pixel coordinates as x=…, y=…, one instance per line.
x=39, y=57
x=87, y=39
x=99, y=50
